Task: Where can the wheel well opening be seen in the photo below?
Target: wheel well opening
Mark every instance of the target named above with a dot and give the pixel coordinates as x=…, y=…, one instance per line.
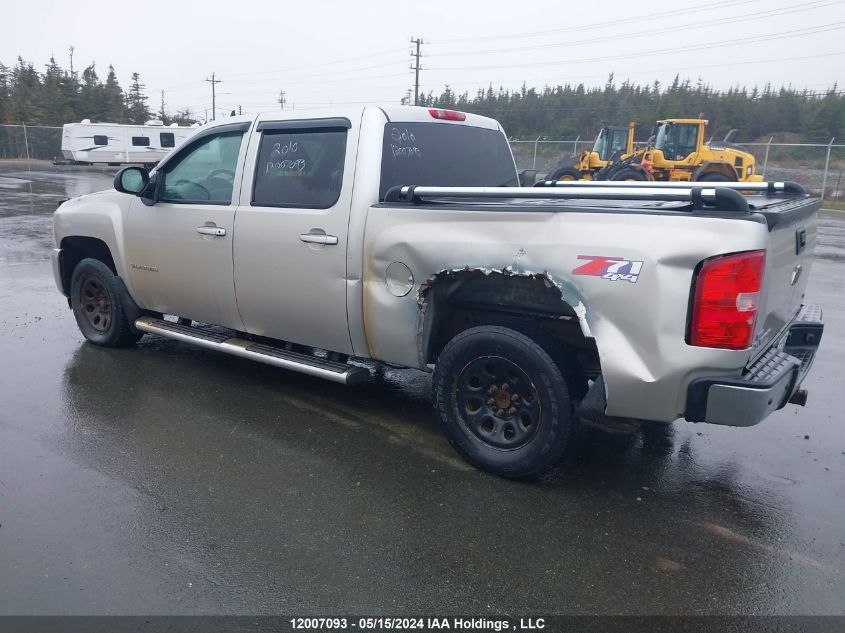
x=77, y=248
x=715, y=167
x=452, y=302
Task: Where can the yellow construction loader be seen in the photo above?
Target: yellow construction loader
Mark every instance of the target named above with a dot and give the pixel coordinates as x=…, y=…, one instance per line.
x=678, y=152
x=613, y=143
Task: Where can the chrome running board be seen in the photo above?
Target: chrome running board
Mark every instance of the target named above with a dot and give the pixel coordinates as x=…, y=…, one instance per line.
x=343, y=373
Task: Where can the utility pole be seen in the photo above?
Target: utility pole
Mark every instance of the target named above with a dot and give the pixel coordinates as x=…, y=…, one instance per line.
x=213, y=81
x=240, y=111
x=162, y=106
x=416, y=68
x=70, y=50
x=282, y=100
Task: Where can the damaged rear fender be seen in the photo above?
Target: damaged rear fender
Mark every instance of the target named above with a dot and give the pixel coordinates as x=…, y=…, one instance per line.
x=455, y=299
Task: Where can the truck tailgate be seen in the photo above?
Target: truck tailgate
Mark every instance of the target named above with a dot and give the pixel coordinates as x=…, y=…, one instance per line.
x=792, y=234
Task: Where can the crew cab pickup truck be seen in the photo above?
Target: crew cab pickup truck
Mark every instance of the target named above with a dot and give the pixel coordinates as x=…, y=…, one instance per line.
x=327, y=243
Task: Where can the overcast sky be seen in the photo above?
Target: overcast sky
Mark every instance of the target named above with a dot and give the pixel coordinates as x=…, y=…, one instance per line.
x=321, y=52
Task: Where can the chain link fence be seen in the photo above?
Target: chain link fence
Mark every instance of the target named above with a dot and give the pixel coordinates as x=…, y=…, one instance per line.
x=819, y=167
x=38, y=142
x=814, y=165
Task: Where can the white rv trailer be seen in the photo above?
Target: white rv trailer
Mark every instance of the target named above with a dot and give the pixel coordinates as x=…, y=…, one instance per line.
x=117, y=144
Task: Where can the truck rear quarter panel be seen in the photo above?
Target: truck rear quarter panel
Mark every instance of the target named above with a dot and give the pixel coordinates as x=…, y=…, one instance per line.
x=639, y=327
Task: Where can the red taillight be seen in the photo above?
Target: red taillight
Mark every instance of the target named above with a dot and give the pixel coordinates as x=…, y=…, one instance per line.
x=447, y=115
x=727, y=292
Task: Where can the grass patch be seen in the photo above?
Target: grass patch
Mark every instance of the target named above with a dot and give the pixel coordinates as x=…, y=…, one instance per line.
x=833, y=205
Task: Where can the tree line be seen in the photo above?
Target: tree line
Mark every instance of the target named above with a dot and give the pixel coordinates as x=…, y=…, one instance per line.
x=571, y=110
x=58, y=95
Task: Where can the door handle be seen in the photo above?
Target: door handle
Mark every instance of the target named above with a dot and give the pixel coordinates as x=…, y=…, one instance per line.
x=318, y=238
x=216, y=231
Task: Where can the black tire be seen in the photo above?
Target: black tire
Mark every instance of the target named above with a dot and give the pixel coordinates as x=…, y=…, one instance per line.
x=628, y=173
x=97, y=301
x=489, y=364
x=713, y=176
x=565, y=173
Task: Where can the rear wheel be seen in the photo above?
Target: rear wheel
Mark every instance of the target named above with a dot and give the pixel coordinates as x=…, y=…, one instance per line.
x=714, y=176
x=97, y=301
x=503, y=402
x=566, y=174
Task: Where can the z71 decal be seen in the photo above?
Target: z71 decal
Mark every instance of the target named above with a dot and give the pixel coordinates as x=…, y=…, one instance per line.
x=613, y=268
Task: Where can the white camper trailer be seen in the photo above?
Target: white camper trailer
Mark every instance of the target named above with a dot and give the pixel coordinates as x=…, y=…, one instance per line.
x=117, y=144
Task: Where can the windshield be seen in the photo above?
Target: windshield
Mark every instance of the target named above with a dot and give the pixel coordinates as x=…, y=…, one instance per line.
x=676, y=140
x=663, y=132
x=620, y=141
x=610, y=141
x=600, y=146
x=445, y=155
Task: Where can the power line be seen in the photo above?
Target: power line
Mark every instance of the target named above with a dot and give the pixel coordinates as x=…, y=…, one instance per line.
x=816, y=4
x=653, y=71
x=594, y=25
x=329, y=63
x=813, y=30
x=322, y=81
x=344, y=71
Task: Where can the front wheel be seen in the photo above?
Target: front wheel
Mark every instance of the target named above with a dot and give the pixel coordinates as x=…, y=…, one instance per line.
x=565, y=174
x=503, y=402
x=630, y=174
x=97, y=301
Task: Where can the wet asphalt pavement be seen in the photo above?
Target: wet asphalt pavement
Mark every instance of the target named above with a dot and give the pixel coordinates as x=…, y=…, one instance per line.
x=165, y=479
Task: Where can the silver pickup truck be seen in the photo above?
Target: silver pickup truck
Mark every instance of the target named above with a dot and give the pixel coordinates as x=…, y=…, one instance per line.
x=326, y=243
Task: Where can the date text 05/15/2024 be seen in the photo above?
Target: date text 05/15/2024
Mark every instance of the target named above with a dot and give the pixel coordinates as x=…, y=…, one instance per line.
x=419, y=624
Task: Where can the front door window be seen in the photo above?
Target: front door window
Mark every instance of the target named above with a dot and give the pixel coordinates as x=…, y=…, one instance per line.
x=205, y=172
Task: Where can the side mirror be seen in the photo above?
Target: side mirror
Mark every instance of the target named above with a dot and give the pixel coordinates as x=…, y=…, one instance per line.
x=527, y=177
x=131, y=180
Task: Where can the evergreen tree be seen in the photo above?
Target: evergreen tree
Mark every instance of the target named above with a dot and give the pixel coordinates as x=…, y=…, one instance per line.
x=51, y=98
x=5, y=93
x=114, y=108
x=136, y=101
x=26, y=103
x=91, y=95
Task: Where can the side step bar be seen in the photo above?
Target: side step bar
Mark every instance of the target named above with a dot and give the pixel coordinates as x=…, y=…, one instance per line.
x=286, y=359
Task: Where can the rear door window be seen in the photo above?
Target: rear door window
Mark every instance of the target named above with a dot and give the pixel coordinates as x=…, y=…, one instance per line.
x=446, y=155
x=300, y=168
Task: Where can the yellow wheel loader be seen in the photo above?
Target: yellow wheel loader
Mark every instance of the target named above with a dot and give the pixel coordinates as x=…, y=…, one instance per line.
x=613, y=143
x=678, y=152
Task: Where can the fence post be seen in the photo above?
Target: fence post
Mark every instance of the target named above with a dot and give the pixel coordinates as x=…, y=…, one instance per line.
x=766, y=160
x=575, y=146
x=536, y=142
x=25, y=141
x=826, y=165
